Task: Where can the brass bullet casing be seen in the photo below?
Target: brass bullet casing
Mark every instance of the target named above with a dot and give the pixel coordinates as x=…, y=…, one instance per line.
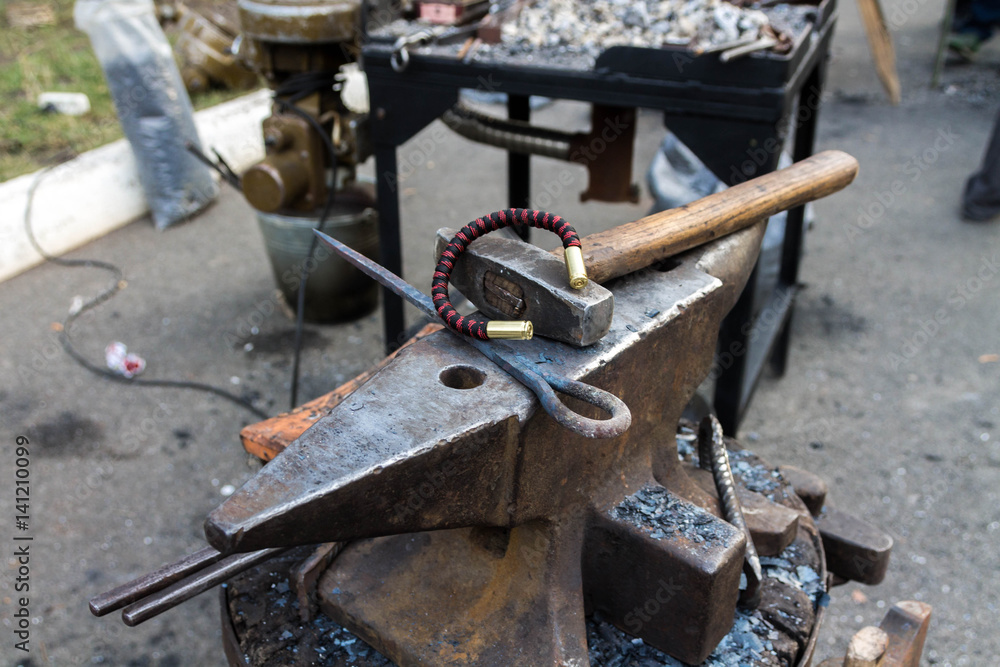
x=574, y=266
x=509, y=330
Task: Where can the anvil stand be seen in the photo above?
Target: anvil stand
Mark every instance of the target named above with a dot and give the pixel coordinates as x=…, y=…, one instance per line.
x=732, y=116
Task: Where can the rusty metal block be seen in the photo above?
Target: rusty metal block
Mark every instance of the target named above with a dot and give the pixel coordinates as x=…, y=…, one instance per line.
x=772, y=526
x=666, y=571
x=906, y=624
x=810, y=487
x=855, y=549
x=464, y=597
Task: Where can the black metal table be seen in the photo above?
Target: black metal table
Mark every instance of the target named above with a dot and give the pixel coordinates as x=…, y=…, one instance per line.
x=732, y=116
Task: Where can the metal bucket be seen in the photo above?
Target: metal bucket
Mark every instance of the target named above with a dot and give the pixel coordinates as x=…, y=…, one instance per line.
x=335, y=291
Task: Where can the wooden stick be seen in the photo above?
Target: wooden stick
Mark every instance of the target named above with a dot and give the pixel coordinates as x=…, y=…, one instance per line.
x=866, y=647
x=880, y=42
x=638, y=244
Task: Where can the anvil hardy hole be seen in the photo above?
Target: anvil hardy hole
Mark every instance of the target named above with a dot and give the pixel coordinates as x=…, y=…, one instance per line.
x=462, y=377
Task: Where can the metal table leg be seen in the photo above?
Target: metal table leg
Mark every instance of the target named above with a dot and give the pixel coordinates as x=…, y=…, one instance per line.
x=791, y=250
x=518, y=165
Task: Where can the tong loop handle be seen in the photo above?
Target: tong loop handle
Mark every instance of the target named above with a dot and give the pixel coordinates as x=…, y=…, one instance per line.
x=615, y=425
x=545, y=385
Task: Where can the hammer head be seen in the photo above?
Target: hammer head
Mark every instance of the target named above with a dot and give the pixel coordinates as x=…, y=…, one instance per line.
x=513, y=280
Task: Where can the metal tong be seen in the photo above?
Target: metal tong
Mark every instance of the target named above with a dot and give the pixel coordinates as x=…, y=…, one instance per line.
x=542, y=383
x=400, y=58
x=155, y=592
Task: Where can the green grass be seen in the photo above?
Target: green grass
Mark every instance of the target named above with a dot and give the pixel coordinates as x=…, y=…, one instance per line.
x=55, y=58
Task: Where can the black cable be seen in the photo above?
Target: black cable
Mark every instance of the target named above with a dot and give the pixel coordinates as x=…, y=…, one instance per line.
x=304, y=272
x=108, y=293
x=221, y=167
x=302, y=85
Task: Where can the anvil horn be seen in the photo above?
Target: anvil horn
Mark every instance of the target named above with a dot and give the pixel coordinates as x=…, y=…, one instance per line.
x=382, y=463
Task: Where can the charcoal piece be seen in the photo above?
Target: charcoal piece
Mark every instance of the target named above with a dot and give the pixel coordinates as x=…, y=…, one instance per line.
x=265, y=618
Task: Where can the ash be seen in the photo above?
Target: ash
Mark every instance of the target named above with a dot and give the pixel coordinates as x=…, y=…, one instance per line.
x=585, y=28
x=749, y=470
x=265, y=615
x=748, y=643
x=791, y=570
x=754, y=474
x=343, y=647
x=753, y=639
x=663, y=515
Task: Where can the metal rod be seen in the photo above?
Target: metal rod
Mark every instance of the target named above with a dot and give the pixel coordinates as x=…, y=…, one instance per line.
x=725, y=46
x=740, y=51
x=184, y=590
x=514, y=136
x=221, y=167
x=712, y=455
x=942, y=45
x=151, y=582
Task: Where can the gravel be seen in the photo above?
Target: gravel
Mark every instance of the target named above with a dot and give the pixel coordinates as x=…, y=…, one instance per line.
x=572, y=33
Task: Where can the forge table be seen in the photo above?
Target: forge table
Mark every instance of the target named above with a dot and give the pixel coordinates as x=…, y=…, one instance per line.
x=736, y=117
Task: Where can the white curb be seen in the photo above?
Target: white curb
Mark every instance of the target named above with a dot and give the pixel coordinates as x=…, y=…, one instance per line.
x=98, y=191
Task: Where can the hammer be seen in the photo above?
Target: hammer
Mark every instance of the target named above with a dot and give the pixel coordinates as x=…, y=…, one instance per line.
x=512, y=280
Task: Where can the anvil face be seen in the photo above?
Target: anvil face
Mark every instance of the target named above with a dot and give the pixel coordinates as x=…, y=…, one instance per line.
x=529, y=519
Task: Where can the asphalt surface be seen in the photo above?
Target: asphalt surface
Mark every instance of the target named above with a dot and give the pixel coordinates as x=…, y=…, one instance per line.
x=891, y=392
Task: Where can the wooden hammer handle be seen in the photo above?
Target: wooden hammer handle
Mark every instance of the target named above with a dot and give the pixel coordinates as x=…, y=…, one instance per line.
x=638, y=244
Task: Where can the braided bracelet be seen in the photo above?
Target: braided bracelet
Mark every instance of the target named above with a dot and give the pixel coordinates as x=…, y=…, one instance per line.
x=486, y=329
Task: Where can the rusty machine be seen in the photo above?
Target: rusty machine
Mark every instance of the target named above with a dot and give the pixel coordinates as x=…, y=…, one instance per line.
x=315, y=137
x=448, y=508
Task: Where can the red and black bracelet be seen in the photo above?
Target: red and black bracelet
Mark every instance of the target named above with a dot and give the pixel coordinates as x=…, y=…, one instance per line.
x=486, y=329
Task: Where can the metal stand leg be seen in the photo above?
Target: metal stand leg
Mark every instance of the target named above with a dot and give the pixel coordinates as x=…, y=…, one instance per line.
x=519, y=166
x=739, y=363
x=791, y=249
x=391, y=256
x=731, y=359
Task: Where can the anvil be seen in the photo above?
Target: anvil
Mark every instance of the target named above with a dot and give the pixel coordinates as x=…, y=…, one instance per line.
x=480, y=530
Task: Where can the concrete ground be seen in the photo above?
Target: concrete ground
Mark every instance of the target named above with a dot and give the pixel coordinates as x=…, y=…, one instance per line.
x=891, y=392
